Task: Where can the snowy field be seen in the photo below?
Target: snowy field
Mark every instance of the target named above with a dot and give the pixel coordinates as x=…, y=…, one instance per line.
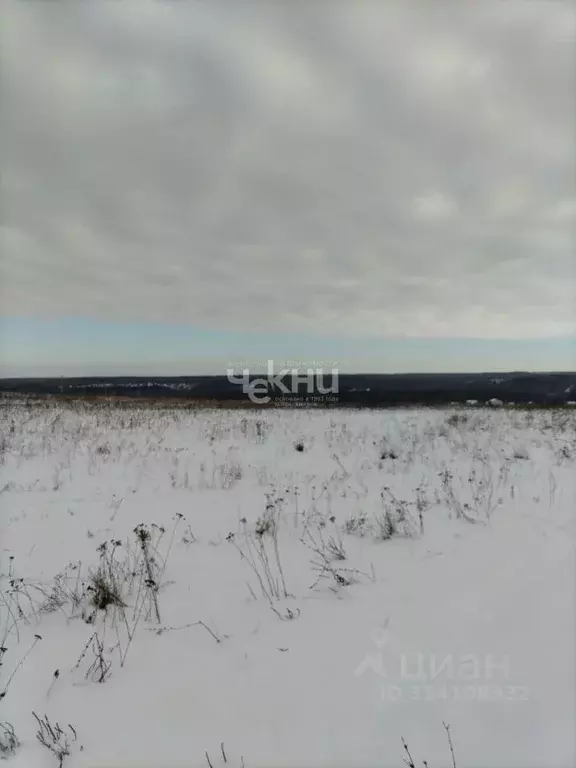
x=287, y=588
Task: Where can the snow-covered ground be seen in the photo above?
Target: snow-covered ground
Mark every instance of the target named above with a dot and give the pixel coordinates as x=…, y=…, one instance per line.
x=305, y=587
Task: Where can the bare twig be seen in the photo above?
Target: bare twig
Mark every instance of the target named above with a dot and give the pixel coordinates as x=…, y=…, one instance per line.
x=447, y=727
x=408, y=759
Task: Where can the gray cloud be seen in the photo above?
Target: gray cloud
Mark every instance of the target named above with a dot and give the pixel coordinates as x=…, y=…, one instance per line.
x=350, y=168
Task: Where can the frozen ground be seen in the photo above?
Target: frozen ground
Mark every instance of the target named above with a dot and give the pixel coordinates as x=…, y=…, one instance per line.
x=310, y=607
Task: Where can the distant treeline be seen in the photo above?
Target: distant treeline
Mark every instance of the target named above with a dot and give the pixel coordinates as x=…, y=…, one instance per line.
x=364, y=390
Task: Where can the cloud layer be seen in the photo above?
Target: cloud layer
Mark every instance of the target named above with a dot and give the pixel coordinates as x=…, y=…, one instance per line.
x=354, y=169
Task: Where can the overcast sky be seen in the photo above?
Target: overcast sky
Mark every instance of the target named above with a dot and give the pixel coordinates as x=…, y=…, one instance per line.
x=195, y=181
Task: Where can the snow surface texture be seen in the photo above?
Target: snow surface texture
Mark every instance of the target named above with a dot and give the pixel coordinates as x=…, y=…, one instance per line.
x=305, y=587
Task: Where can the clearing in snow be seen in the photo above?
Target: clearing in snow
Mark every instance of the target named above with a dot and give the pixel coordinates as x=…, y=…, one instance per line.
x=286, y=588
